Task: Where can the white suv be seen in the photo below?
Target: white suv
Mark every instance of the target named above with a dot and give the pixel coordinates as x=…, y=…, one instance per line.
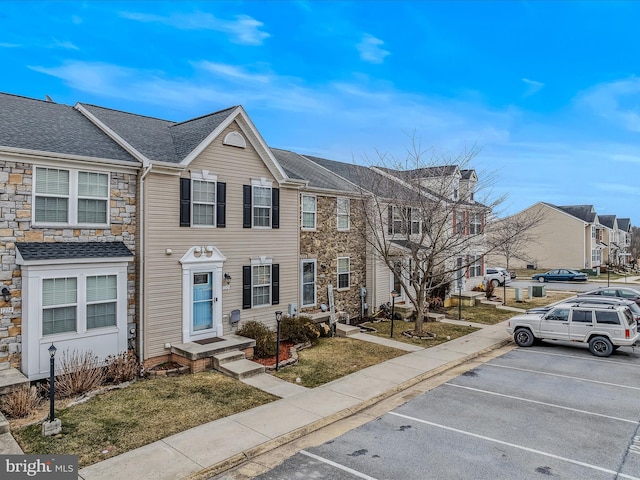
x=497, y=276
x=603, y=327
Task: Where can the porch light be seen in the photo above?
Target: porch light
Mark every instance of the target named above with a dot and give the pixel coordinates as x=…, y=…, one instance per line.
x=278, y=318
x=6, y=294
x=227, y=278
x=52, y=359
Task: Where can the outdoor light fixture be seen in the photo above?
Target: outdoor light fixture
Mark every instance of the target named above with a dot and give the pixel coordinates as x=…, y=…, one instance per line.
x=278, y=318
x=227, y=278
x=6, y=294
x=394, y=294
x=52, y=359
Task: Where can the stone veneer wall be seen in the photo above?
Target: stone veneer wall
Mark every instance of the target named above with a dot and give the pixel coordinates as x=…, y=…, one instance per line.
x=326, y=244
x=15, y=226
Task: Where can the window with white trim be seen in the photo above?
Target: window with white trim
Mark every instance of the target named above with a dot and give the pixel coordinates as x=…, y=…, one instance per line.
x=309, y=212
x=475, y=223
x=59, y=305
x=344, y=214
x=308, y=282
x=102, y=296
x=398, y=220
x=344, y=272
x=475, y=266
x=459, y=223
x=68, y=196
x=203, y=202
x=415, y=220
x=260, y=285
x=261, y=206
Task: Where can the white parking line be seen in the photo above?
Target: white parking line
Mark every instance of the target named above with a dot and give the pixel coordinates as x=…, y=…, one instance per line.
x=337, y=465
x=519, y=447
x=578, y=357
x=543, y=403
x=562, y=376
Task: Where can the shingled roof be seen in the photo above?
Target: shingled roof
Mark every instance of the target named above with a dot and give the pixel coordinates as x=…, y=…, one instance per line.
x=607, y=220
x=299, y=167
x=156, y=139
x=584, y=212
x=72, y=250
x=49, y=127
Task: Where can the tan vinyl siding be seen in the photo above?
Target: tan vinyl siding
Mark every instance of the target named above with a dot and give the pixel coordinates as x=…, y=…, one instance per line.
x=163, y=287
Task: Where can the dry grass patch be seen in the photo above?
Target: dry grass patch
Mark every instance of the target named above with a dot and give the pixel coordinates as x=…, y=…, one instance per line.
x=333, y=358
x=441, y=329
x=146, y=411
x=552, y=297
x=486, y=315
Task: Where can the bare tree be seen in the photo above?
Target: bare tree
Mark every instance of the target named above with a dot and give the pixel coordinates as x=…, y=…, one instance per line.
x=634, y=249
x=423, y=219
x=511, y=237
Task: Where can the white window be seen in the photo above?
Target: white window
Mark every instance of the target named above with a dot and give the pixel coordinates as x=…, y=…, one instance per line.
x=308, y=281
x=593, y=231
x=260, y=285
x=308, y=212
x=475, y=266
x=102, y=296
x=70, y=197
x=261, y=206
x=344, y=272
x=414, y=219
x=59, y=305
x=344, y=214
x=204, y=203
x=398, y=220
x=475, y=223
x=460, y=223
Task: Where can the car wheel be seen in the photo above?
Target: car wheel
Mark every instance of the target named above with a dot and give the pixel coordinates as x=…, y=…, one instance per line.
x=600, y=346
x=495, y=283
x=541, y=279
x=523, y=337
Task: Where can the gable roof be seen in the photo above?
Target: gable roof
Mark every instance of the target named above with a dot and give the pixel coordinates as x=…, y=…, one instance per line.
x=157, y=139
x=29, y=125
x=584, y=212
x=607, y=220
x=624, y=224
x=299, y=167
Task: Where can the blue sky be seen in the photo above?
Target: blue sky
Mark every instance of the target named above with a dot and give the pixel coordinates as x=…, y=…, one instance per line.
x=549, y=91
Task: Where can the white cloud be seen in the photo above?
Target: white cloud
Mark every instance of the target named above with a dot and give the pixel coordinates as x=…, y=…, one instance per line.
x=244, y=29
x=231, y=71
x=9, y=45
x=371, y=50
x=533, y=86
x=617, y=101
x=63, y=44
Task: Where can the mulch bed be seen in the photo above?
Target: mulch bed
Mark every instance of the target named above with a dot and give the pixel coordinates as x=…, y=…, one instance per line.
x=285, y=354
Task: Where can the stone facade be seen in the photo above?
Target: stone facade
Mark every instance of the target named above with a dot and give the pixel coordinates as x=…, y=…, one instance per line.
x=325, y=244
x=15, y=226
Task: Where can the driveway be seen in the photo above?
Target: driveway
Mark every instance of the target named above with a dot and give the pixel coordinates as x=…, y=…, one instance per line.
x=548, y=411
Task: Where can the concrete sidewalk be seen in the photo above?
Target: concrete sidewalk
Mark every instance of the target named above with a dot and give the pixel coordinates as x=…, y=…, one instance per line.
x=208, y=449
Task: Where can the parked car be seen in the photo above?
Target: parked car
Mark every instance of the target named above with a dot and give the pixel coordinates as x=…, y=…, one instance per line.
x=560, y=275
x=497, y=276
x=591, y=300
x=620, y=292
x=603, y=327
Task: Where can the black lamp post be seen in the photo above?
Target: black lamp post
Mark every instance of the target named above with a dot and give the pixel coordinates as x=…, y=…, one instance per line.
x=278, y=318
x=608, y=274
x=394, y=294
x=52, y=360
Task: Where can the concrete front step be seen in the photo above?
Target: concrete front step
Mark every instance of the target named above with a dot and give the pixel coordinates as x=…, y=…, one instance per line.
x=227, y=357
x=343, y=330
x=10, y=379
x=240, y=369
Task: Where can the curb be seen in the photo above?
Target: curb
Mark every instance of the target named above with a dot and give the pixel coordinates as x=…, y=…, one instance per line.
x=272, y=444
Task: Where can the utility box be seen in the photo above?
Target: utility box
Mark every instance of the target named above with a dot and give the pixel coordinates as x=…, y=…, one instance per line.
x=537, y=291
x=518, y=292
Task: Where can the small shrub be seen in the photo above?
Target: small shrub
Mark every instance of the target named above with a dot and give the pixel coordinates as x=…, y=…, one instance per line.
x=300, y=329
x=21, y=402
x=489, y=290
x=123, y=367
x=79, y=372
x=265, y=338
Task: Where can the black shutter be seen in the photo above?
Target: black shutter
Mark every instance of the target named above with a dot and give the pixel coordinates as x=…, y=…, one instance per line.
x=221, y=205
x=246, y=206
x=275, y=284
x=185, y=202
x=246, y=287
x=390, y=219
x=275, y=207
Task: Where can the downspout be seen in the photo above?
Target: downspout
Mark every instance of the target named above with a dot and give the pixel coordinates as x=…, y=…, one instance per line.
x=142, y=264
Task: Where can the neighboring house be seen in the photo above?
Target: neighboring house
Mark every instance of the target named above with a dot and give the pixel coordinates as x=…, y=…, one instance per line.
x=68, y=233
x=611, y=253
x=332, y=248
x=570, y=236
x=624, y=242
x=220, y=236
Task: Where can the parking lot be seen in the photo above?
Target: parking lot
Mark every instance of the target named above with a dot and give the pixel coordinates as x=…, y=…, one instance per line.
x=549, y=411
